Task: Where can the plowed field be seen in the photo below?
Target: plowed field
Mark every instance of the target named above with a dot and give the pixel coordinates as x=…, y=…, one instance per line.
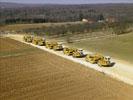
x=29, y=73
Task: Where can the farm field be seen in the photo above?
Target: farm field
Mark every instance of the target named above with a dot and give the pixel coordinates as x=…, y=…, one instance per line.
x=11, y=48
x=19, y=27
x=117, y=46
x=36, y=74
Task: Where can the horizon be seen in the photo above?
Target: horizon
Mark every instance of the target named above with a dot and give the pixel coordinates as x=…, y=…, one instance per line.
x=67, y=2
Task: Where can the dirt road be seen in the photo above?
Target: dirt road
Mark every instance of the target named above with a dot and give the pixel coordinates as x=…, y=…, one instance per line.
x=120, y=71
x=39, y=75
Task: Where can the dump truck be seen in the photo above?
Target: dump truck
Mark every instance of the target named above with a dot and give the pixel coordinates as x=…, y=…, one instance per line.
x=28, y=38
x=104, y=62
x=78, y=53
x=69, y=51
x=51, y=45
x=38, y=41
x=58, y=47
x=93, y=58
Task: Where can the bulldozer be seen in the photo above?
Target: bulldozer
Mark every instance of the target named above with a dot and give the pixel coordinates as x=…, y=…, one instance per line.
x=58, y=47
x=28, y=38
x=38, y=41
x=69, y=51
x=104, y=62
x=51, y=45
x=93, y=58
x=78, y=53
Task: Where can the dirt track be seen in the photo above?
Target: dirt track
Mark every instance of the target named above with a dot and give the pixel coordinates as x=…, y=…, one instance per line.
x=40, y=75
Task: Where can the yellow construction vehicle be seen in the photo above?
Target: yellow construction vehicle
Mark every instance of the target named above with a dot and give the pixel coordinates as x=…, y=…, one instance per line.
x=58, y=47
x=41, y=42
x=93, y=58
x=28, y=38
x=51, y=45
x=78, y=53
x=38, y=41
x=104, y=62
x=35, y=40
x=69, y=51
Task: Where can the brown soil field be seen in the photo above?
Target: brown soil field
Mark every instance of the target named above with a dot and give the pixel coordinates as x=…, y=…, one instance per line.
x=39, y=75
x=11, y=45
x=12, y=48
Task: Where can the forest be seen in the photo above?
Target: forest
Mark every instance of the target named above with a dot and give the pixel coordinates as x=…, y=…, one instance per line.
x=11, y=13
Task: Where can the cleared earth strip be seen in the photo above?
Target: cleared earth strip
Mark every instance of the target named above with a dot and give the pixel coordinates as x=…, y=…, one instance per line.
x=80, y=61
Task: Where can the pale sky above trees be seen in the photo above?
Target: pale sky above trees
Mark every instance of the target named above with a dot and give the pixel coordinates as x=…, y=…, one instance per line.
x=68, y=1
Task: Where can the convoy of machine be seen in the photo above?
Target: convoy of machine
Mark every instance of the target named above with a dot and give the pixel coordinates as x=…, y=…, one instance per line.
x=99, y=59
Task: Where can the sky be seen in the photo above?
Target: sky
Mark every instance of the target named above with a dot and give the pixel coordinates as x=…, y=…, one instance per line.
x=68, y=1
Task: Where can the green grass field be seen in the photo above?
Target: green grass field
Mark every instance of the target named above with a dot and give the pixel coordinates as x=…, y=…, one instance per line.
x=120, y=47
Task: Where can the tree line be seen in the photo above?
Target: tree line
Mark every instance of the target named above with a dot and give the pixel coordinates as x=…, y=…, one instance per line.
x=64, y=13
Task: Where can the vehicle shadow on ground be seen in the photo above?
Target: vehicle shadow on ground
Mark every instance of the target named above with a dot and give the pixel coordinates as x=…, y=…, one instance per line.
x=112, y=64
